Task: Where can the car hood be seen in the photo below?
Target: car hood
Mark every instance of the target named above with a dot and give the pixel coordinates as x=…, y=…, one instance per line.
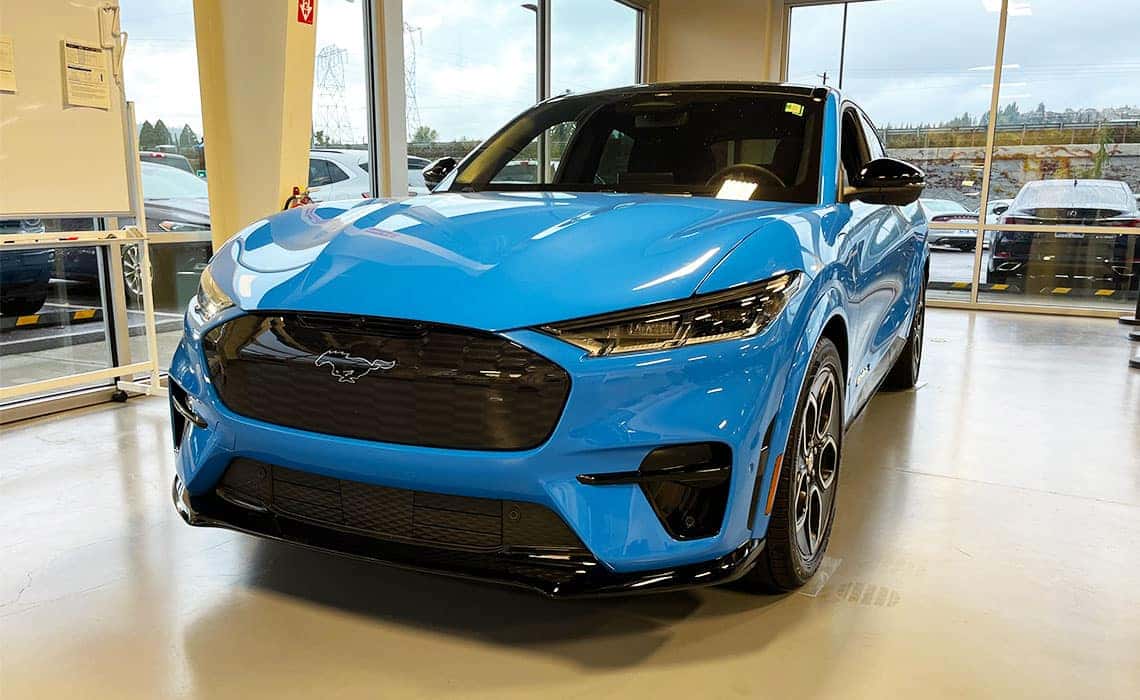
x=497, y=261
x=183, y=210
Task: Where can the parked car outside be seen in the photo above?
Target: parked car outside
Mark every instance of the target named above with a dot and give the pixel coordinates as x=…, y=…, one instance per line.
x=947, y=210
x=1033, y=262
x=174, y=201
x=25, y=275
x=396, y=384
x=172, y=160
x=342, y=173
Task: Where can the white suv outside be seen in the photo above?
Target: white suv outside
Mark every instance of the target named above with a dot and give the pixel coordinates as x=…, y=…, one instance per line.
x=342, y=173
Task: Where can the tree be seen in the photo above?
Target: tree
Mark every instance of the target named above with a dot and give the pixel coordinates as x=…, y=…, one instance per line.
x=187, y=138
x=425, y=134
x=162, y=134
x=146, y=137
x=1009, y=114
x=320, y=140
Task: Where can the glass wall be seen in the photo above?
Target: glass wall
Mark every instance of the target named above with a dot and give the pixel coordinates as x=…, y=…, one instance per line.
x=161, y=78
x=1066, y=147
x=468, y=69
x=53, y=307
x=339, y=163
x=1067, y=155
x=473, y=68
x=608, y=28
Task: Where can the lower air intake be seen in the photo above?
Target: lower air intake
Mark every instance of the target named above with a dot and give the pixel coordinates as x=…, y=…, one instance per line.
x=438, y=520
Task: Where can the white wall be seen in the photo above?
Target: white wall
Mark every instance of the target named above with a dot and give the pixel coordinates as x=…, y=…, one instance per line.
x=718, y=39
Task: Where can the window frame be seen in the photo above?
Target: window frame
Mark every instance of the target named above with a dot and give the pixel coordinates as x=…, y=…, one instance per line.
x=985, y=199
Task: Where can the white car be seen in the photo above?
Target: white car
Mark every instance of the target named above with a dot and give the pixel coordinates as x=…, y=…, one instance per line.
x=342, y=173
x=949, y=211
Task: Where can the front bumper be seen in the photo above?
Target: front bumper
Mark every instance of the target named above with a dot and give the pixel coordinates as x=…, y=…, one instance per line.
x=620, y=409
x=570, y=577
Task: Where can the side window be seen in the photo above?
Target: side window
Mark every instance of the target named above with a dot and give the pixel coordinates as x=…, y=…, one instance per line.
x=523, y=169
x=854, y=148
x=874, y=145
x=336, y=173
x=318, y=172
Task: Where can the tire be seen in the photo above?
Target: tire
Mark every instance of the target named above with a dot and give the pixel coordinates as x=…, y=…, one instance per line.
x=804, y=508
x=23, y=305
x=904, y=373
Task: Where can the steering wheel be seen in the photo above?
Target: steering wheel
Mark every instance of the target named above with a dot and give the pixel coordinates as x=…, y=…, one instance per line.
x=763, y=177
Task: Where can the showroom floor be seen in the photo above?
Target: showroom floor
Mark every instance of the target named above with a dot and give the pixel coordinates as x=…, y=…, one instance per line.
x=987, y=543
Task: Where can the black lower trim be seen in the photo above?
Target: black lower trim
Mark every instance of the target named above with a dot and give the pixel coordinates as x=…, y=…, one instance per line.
x=553, y=575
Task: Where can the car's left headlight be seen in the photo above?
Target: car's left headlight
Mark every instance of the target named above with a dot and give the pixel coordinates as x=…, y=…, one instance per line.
x=734, y=313
x=211, y=299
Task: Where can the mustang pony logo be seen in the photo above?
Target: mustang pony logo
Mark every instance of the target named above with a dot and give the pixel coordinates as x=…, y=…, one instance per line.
x=348, y=368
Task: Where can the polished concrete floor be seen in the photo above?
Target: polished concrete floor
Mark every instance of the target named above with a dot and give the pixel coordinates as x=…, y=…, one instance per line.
x=987, y=544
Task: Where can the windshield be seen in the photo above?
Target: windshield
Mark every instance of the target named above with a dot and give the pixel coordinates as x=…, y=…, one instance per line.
x=165, y=182
x=696, y=142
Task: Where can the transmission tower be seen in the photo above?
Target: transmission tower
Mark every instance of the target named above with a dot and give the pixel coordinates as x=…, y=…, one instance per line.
x=413, y=35
x=332, y=111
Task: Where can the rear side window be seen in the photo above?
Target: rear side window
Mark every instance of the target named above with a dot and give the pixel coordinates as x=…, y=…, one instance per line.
x=322, y=172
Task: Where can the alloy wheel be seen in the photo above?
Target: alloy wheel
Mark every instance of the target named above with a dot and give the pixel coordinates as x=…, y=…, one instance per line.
x=817, y=462
x=132, y=270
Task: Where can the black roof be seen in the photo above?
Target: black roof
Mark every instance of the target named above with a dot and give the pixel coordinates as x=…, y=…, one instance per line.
x=713, y=86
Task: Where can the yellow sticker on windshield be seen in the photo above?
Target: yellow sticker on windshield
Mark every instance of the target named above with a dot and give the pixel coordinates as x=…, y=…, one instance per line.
x=793, y=108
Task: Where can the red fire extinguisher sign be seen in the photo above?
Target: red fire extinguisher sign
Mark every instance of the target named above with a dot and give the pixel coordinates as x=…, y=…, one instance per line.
x=306, y=11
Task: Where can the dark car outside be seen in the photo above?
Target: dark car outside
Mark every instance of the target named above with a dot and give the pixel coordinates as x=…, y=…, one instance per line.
x=174, y=202
x=1036, y=261
x=24, y=274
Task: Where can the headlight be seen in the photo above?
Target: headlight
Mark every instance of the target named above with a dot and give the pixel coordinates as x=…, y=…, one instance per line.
x=211, y=299
x=734, y=313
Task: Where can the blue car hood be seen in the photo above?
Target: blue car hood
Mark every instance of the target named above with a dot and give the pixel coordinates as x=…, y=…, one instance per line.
x=496, y=261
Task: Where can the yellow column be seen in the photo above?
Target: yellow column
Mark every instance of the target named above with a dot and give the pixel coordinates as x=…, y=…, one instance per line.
x=255, y=69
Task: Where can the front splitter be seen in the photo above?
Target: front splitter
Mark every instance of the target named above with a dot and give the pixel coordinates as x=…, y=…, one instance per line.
x=551, y=574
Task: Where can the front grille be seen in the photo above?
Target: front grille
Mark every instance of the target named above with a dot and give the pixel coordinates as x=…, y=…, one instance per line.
x=439, y=520
x=387, y=380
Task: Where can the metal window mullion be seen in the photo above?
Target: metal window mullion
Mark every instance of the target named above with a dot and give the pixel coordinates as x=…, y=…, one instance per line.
x=118, y=320
x=134, y=175
x=542, y=79
x=370, y=72
x=991, y=135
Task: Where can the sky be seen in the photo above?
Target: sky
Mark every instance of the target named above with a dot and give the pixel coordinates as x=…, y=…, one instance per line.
x=916, y=61
x=907, y=61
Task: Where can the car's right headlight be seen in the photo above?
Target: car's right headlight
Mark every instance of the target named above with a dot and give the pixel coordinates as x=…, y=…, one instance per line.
x=211, y=299
x=739, y=312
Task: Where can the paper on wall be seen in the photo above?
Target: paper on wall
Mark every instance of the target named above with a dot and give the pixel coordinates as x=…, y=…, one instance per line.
x=85, y=75
x=7, y=65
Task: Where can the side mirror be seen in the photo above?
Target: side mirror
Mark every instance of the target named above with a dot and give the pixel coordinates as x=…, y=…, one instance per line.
x=886, y=181
x=1001, y=209
x=437, y=170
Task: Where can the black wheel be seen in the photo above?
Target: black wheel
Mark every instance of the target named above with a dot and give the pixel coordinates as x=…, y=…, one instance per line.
x=904, y=374
x=23, y=305
x=802, y=513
